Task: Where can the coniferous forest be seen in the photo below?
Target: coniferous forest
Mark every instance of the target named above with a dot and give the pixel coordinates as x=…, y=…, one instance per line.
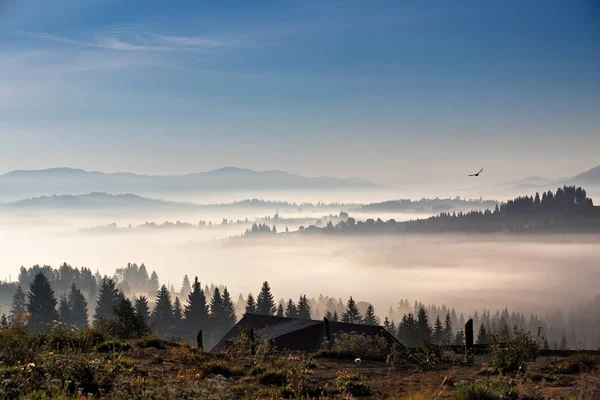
x=79, y=298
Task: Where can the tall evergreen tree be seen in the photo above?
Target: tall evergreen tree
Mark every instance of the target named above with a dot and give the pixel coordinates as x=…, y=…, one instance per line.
x=108, y=298
x=19, y=306
x=329, y=315
x=448, y=332
x=459, y=340
x=370, y=318
x=280, y=310
x=482, y=335
x=250, y=305
x=177, y=315
x=78, y=307
x=41, y=305
x=153, y=283
x=408, y=330
x=216, y=305
x=196, y=310
x=229, y=317
x=335, y=317
x=186, y=287
x=129, y=323
x=291, y=311
x=64, y=312
x=438, y=331
x=423, y=328
x=142, y=309
x=303, y=308
x=352, y=314
x=265, y=304
x=563, y=344
x=162, y=314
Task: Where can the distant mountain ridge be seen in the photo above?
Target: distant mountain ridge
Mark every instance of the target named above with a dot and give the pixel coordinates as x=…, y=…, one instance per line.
x=47, y=182
x=589, y=177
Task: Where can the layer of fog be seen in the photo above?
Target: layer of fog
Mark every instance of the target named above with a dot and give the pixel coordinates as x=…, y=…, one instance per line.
x=526, y=273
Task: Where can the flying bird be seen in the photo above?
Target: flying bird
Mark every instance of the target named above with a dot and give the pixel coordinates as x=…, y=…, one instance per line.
x=477, y=174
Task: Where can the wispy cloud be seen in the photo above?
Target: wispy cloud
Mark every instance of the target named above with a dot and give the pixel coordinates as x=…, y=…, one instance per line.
x=145, y=41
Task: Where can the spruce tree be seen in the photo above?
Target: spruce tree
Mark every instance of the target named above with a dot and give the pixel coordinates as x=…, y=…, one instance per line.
x=19, y=307
x=162, y=314
x=329, y=315
x=408, y=330
x=265, y=304
x=108, y=298
x=563, y=344
x=370, y=318
x=546, y=345
x=448, y=332
x=142, y=309
x=216, y=306
x=153, y=283
x=186, y=287
x=229, y=317
x=423, y=328
x=129, y=324
x=78, y=306
x=352, y=314
x=303, y=308
x=291, y=311
x=177, y=315
x=438, y=331
x=196, y=310
x=482, y=335
x=459, y=340
x=335, y=317
x=41, y=305
x=250, y=305
x=280, y=310
x=64, y=312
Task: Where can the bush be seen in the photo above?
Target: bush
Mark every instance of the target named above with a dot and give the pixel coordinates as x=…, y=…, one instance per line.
x=219, y=367
x=273, y=378
x=474, y=391
x=351, y=345
x=579, y=363
x=113, y=346
x=349, y=382
x=150, y=342
x=510, y=352
x=14, y=346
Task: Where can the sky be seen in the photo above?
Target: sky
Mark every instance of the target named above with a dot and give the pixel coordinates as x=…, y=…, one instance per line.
x=397, y=92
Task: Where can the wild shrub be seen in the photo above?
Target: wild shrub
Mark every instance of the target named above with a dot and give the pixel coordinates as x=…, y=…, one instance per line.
x=150, y=342
x=351, y=345
x=113, y=346
x=579, y=363
x=474, y=391
x=350, y=382
x=15, y=346
x=511, y=351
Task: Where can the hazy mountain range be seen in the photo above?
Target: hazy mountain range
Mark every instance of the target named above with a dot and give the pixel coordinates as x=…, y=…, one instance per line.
x=17, y=185
x=590, y=177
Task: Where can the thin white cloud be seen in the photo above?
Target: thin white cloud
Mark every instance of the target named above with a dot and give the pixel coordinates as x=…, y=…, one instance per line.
x=150, y=42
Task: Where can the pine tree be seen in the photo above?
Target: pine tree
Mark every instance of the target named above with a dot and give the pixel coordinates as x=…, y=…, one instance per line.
x=335, y=317
x=41, y=305
x=142, y=308
x=265, y=304
x=153, y=283
x=370, y=318
x=229, y=318
x=216, y=306
x=303, y=308
x=186, y=288
x=352, y=313
x=563, y=344
x=19, y=307
x=482, y=335
x=423, y=328
x=250, y=305
x=388, y=326
x=438, y=331
x=459, y=340
x=280, y=310
x=407, y=330
x=177, y=314
x=78, y=306
x=329, y=316
x=196, y=310
x=64, y=312
x=291, y=311
x=448, y=332
x=393, y=329
x=108, y=298
x=546, y=345
x=128, y=322
x=162, y=314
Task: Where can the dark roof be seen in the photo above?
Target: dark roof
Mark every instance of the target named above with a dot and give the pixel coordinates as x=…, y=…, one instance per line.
x=271, y=327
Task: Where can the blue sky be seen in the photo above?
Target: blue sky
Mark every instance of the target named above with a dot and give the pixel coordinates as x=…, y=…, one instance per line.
x=399, y=92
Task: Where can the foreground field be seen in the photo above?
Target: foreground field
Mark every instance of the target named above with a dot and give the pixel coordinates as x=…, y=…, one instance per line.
x=74, y=367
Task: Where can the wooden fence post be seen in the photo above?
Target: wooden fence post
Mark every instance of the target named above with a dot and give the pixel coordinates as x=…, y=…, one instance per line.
x=327, y=332
x=469, y=334
x=199, y=340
